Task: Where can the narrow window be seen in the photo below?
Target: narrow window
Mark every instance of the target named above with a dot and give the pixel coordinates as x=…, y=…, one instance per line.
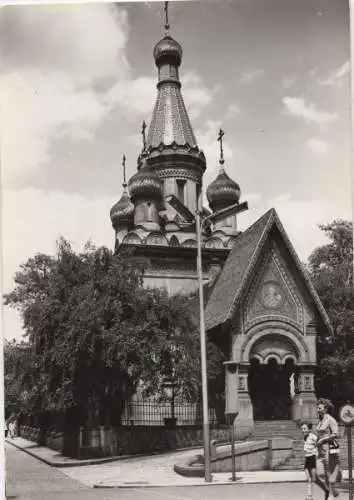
x=180, y=190
x=197, y=193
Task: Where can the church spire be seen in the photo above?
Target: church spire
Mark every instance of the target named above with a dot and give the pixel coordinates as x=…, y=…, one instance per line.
x=170, y=123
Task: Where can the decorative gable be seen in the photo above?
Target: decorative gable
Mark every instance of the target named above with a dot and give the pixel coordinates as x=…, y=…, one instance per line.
x=273, y=294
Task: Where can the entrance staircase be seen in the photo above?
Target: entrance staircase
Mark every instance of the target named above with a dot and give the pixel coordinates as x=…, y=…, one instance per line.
x=267, y=429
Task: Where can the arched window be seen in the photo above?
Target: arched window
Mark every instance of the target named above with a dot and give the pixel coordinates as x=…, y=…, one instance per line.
x=181, y=189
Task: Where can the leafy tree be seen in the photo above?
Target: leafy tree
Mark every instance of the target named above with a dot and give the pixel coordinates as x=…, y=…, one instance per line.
x=96, y=334
x=331, y=269
x=16, y=377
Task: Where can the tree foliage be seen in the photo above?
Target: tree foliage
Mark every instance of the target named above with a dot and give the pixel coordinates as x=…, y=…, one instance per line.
x=331, y=270
x=17, y=371
x=96, y=334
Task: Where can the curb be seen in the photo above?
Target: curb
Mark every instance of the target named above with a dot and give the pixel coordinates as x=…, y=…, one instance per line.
x=71, y=464
x=94, y=461
x=215, y=483
x=184, y=485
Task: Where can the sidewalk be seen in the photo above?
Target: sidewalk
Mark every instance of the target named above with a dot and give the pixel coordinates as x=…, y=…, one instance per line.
x=56, y=459
x=147, y=471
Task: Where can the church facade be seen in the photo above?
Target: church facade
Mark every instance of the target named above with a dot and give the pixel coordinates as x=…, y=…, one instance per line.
x=263, y=310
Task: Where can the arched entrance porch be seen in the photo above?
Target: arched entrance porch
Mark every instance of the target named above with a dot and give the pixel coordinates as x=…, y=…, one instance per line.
x=276, y=374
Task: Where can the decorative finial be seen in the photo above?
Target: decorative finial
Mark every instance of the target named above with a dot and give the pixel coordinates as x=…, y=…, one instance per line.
x=143, y=128
x=167, y=26
x=220, y=136
x=124, y=177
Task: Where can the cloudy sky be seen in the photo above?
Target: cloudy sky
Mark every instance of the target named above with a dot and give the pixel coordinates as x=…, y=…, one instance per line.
x=77, y=81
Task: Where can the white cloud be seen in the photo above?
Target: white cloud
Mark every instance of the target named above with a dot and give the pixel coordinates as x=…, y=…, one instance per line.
x=35, y=220
x=196, y=95
x=304, y=237
x=54, y=88
x=337, y=77
x=299, y=107
x=250, y=75
x=67, y=87
x=318, y=146
x=207, y=140
x=232, y=111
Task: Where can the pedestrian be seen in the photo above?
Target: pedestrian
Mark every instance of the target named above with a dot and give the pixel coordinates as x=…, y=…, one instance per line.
x=328, y=446
x=12, y=429
x=311, y=452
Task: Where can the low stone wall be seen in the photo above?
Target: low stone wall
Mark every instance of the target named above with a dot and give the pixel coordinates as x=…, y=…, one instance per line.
x=103, y=442
x=53, y=439
x=249, y=456
x=140, y=439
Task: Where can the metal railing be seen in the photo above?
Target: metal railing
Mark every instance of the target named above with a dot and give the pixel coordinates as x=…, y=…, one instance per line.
x=150, y=413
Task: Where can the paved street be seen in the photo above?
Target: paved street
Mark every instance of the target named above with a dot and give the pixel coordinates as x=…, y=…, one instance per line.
x=29, y=479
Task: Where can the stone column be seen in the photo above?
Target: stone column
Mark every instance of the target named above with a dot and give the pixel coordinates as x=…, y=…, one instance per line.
x=244, y=421
x=304, y=405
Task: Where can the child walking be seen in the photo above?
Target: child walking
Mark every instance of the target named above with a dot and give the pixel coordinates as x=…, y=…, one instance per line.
x=310, y=450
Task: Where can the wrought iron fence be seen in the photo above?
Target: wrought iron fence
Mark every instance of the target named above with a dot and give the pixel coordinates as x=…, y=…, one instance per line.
x=156, y=413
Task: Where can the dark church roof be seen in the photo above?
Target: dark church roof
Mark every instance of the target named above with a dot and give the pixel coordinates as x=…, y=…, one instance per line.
x=239, y=267
x=170, y=122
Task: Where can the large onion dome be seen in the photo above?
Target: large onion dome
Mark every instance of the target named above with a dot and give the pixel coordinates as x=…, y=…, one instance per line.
x=122, y=212
x=145, y=184
x=223, y=191
x=168, y=50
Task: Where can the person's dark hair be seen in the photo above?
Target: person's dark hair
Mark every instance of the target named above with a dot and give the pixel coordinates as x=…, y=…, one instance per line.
x=309, y=424
x=327, y=404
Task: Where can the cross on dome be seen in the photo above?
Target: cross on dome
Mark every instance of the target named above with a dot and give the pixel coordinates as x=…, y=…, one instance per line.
x=143, y=128
x=167, y=26
x=124, y=173
x=220, y=139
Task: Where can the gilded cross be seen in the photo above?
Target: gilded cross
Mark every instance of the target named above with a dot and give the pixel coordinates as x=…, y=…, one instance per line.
x=167, y=26
x=124, y=177
x=220, y=136
x=143, y=127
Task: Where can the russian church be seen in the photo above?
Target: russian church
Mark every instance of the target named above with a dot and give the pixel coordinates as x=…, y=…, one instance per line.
x=263, y=310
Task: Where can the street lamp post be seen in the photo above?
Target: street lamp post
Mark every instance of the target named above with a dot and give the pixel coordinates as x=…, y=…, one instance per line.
x=200, y=221
x=221, y=214
x=206, y=438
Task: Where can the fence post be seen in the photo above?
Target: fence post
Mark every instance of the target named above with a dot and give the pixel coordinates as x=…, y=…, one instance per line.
x=102, y=438
x=80, y=441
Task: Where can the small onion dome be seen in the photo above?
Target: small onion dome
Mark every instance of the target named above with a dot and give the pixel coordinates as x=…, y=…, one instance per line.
x=145, y=184
x=122, y=212
x=167, y=49
x=223, y=191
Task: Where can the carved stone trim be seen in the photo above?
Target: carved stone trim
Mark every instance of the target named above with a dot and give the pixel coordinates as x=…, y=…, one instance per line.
x=178, y=173
x=306, y=381
x=279, y=328
x=274, y=258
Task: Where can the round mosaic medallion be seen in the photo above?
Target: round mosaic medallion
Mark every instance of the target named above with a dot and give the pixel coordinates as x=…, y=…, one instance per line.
x=271, y=295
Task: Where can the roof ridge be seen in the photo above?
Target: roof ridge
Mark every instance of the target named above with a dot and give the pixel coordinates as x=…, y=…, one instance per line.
x=254, y=256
